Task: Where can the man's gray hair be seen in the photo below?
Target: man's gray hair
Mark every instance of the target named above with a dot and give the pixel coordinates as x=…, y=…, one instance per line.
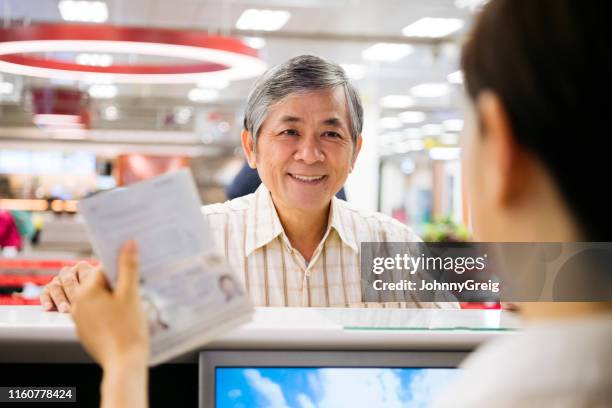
x=300, y=74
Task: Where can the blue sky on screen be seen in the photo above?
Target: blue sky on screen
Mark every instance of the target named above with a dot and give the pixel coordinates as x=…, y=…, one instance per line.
x=329, y=387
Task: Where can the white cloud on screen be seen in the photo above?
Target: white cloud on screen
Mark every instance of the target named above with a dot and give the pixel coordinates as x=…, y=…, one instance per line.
x=364, y=388
x=426, y=385
x=267, y=388
x=235, y=393
x=305, y=402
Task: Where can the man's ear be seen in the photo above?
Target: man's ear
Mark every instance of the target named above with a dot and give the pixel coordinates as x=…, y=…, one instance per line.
x=358, y=143
x=248, y=146
x=508, y=159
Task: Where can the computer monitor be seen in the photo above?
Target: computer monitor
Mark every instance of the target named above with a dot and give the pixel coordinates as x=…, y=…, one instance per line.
x=305, y=379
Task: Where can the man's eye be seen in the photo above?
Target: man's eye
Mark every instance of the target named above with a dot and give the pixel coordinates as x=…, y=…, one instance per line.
x=332, y=134
x=289, y=132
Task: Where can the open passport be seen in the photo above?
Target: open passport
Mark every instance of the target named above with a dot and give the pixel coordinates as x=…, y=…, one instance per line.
x=189, y=293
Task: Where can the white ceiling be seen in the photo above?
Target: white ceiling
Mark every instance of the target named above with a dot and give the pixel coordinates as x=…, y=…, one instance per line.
x=351, y=17
x=338, y=30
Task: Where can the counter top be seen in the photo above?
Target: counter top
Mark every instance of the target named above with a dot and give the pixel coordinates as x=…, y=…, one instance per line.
x=28, y=334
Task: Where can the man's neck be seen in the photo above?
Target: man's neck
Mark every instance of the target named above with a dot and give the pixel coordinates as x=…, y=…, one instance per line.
x=305, y=229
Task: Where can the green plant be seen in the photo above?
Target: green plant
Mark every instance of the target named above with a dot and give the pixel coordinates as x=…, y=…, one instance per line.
x=444, y=229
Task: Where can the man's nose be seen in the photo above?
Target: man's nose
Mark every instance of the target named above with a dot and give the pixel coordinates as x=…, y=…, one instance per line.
x=309, y=151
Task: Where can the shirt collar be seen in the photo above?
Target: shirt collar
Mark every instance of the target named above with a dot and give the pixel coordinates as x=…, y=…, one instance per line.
x=263, y=224
x=339, y=218
x=262, y=220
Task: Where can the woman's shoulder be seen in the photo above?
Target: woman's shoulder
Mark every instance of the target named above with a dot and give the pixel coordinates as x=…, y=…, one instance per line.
x=542, y=363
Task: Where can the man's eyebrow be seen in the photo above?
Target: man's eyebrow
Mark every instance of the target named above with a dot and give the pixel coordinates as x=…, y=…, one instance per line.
x=291, y=119
x=333, y=122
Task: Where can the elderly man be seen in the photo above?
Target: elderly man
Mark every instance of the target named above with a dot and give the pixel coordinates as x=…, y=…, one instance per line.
x=291, y=242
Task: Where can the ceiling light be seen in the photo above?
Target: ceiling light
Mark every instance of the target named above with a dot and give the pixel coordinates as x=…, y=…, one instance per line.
x=255, y=42
x=218, y=83
x=218, y=56
x=111, y=113
x=6, y=88
x=182, y=114
x=203, y=95
x=430, y=90
x=449, y=138
x=390, y=123
x=455, y=77
x=397, y=101
x=387, y=52
x=445, y=153
x=265, y=20
x=413, y=133
x=103, y=91
x=473, y=5
x=409, y=146
x=85, y=11
x=407, y=166
x=354, y=71
x=432, y=27
x=432, y=130
x=96, y=60
x=412, y=117
x=453, y=125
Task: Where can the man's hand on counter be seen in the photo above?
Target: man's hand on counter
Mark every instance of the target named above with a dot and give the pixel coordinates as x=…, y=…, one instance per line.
x=59, y=294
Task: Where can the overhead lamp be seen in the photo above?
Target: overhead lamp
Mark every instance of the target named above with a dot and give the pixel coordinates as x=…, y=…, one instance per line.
x=182, y=114
x=413, y=133
x=255, y=42
x=219, y=83
x=212, y=56
x=449, y=138
x=432, y=129
x=413, y=145
x=354, y=71
x=453, y=125
x=83, y=11
x=445, y=153
x=387, y=52
x=111, y=113
x=412, y=116
x=430, y=90
x=390, y=123
x=407, y=166
x=433, y=27
x=473, y=5
x=262, y=20
x=6, y=88
x=397, y=101
x=203, y=95
x=102, y=91
x=95, y=60
x=455, y=77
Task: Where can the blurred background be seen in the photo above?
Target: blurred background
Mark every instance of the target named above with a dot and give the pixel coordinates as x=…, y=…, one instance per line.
x=167, y=90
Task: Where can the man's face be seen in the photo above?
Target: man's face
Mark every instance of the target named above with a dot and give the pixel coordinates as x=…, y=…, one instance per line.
x=304, y=150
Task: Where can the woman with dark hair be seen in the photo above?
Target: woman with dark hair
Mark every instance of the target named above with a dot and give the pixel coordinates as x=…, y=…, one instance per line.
x=535, y=138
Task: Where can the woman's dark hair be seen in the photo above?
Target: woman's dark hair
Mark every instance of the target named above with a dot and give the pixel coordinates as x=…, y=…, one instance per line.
x=548, y=62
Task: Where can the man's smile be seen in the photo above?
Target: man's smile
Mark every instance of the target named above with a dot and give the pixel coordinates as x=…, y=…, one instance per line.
x=308, y=179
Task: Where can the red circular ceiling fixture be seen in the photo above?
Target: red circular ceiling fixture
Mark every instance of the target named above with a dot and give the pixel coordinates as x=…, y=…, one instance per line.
x=218, y=57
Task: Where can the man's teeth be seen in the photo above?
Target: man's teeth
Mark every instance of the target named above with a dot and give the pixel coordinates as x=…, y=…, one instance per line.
x=307, y=178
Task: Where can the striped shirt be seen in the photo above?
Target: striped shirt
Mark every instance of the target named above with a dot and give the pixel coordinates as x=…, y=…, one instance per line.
x=249, y=233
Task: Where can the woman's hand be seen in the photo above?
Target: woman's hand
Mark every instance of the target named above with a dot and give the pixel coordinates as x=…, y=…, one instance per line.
x=112, y=327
